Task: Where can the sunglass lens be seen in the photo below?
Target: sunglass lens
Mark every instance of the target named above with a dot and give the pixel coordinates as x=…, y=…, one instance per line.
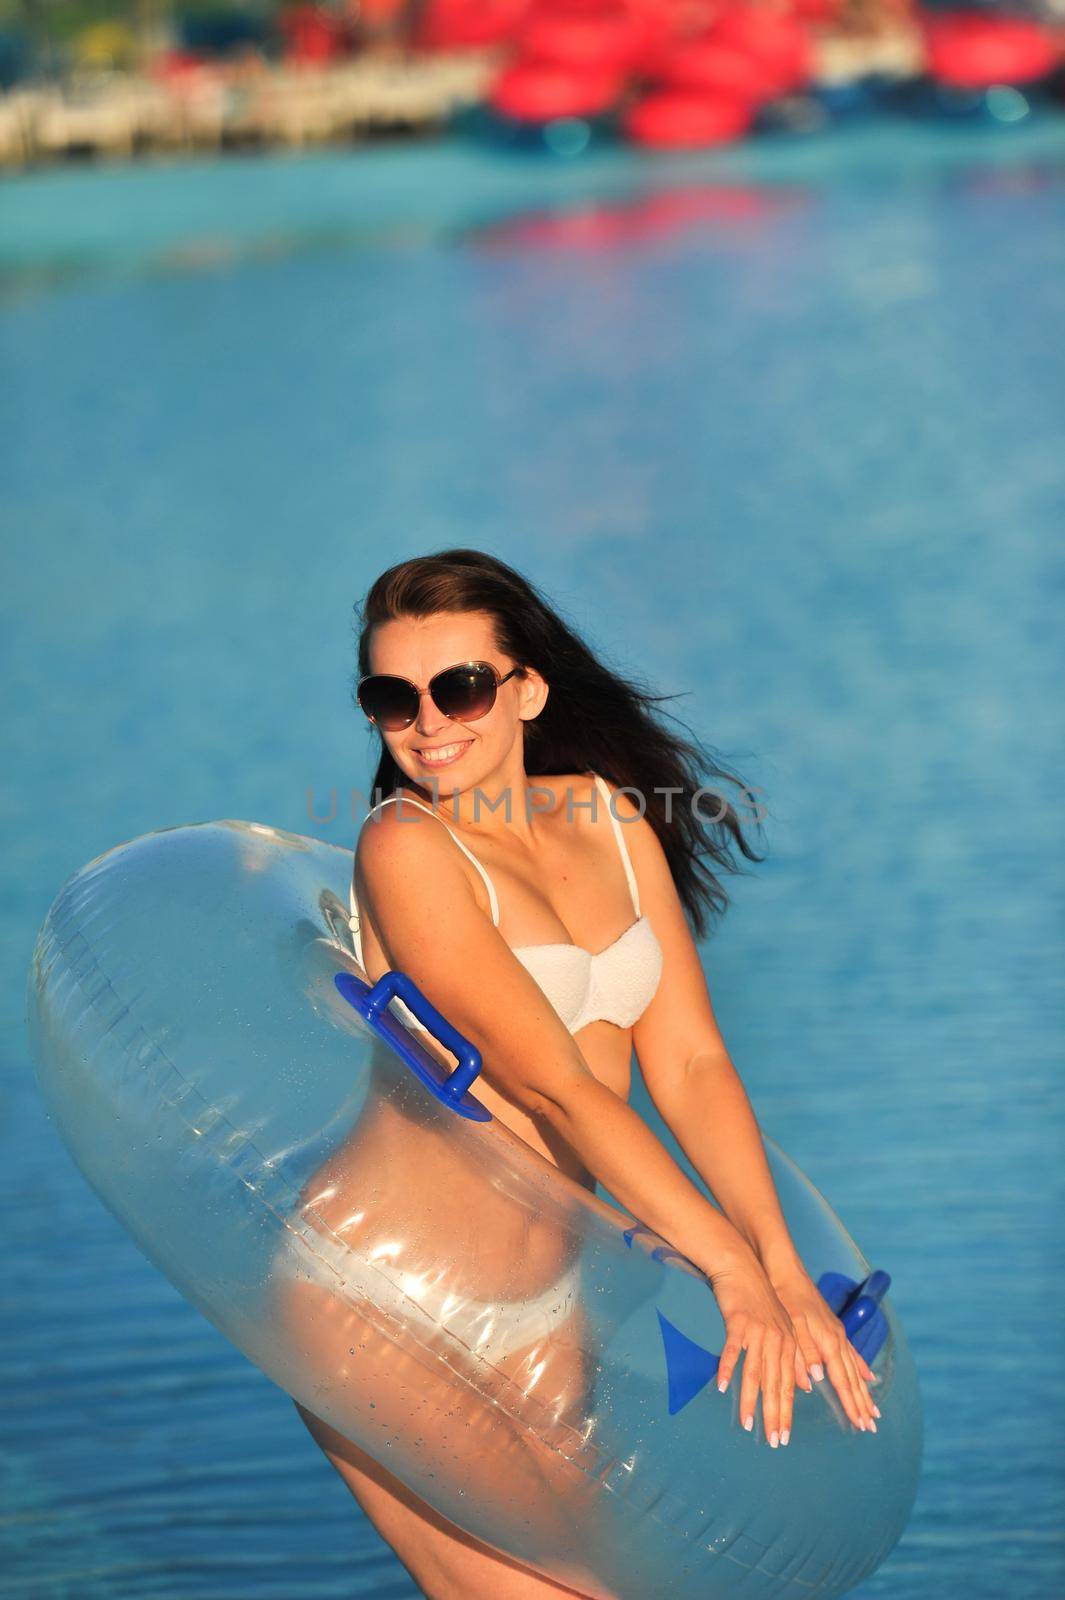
x=465, y=693
x=390, y=702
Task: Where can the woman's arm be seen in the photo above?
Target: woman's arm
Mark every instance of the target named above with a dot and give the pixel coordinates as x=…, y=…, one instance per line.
x=710, y=1115
x=698, y=1091
x=411, y=882
x=688, y=1071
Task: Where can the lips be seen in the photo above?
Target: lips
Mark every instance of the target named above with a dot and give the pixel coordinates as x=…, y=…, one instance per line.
x=443, y=755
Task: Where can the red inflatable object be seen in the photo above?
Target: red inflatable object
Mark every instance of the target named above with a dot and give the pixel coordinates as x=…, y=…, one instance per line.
x=674, y=119
x=706, y=67
x=969, y=50
x=537, y=91
x=816, y=10
x=777, y=42
x=469, y=24
x=611, y=37
x=658, y=20
x=313, y=36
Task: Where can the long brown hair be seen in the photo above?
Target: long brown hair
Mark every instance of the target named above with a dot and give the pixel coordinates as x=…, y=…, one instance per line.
x=594, y=720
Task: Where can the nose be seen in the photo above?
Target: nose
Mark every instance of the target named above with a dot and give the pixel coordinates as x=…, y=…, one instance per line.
x=430, y=718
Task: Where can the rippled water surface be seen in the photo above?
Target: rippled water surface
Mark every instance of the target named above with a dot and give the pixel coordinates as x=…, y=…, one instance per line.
x=781, y=431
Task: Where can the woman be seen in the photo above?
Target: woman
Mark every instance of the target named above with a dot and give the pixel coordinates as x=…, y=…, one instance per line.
x=518, y=759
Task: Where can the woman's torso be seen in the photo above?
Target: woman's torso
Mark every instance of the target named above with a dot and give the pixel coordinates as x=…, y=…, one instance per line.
x=587, y=904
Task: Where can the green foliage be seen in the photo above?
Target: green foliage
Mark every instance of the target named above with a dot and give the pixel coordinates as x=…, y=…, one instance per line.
x=58, y=21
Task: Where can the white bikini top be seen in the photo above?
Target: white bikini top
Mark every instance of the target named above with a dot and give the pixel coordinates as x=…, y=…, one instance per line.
x=614, y=985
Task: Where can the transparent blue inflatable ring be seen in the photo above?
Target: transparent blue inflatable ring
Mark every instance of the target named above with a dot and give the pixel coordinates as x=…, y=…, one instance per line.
x=328, y=1191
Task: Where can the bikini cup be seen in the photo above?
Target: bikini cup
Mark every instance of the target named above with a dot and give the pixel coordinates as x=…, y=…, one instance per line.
x=612, y=985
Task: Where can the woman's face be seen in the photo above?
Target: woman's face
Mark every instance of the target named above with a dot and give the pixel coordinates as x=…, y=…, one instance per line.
x=461, y=754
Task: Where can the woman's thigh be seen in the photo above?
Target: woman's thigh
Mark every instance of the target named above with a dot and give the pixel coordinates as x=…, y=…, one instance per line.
x=444, y=1561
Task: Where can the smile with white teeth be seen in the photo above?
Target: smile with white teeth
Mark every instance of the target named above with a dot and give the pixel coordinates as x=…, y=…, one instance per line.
x=443, y=753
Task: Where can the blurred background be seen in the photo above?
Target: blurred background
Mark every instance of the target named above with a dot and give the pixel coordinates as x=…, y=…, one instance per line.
x=92, y=77
x=736, y=328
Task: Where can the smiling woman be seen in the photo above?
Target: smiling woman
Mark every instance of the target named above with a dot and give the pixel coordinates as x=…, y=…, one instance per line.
x=307, y=1173
x=524, y=936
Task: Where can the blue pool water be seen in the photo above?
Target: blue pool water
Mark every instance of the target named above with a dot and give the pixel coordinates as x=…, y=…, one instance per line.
x=780, y=429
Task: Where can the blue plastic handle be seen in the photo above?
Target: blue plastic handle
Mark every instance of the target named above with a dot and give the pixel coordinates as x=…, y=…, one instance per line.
x=862, y=1307
x=857, y=1305
x=372, y=1003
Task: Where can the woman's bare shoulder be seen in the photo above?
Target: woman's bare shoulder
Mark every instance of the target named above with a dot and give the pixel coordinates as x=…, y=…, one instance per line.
x=388, y=827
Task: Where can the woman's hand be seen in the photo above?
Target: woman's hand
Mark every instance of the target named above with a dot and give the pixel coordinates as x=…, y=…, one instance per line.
x=821, y=1338
x=757, y=1322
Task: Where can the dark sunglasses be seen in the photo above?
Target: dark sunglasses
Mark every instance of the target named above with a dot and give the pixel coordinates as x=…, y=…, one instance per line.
x=464, y=693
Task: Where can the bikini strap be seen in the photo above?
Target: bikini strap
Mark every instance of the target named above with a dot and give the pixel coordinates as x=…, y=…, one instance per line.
x=619, y=834
x=353, y=920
